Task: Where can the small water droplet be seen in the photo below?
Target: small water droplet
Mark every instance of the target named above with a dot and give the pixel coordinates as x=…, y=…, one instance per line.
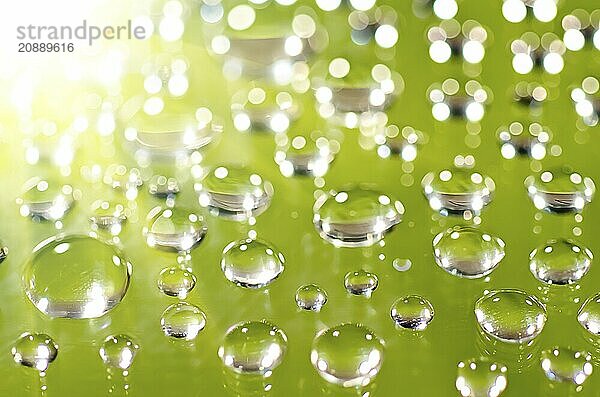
x=589, y=314
x=35, y=350
x=174, y=281
x=361, y=282
x=468, y=252
x=511, y=315
x=560, y=262
x=253, y=347
x=311, y=297
x=402, y=265
x=108, y=216
x=349, y=355
x=183, y=320
x=45, y=199
x=161, y=186
x=118, y=351
x=93, y=277
x=355, y=217
x=481, y=378
x=412, y=312
x=251, y=263
x=175, y=229
x=305, y=155
x=566, y=365
x=560, y=190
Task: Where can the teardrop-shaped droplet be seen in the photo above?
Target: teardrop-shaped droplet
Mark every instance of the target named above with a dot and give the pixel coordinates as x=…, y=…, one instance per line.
x=118, y=351
x=560, y=190
x=45, y=199
x=458, y=190
x=76, y=276
x=235, y=193
x=560, y=262
x=361, y=282
x=175, y=281
x=253, y=347
x=481, y=378
x=348, y=354
x=589, y=314
x=355, y=217
x=183, y=320
x=251, y=263
x=175, y=229
x=412, y=312
x=468, y=252
x=511, y=315
x=566, y=365
x=35, y=350
x=311, y=297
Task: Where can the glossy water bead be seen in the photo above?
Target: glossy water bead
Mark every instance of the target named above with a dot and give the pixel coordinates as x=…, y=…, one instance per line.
x=251, y=263
x=361, y=282
x=46, y=199
x=560, y=190
x=118, y=351
x=183, y=320
x=35, y=350
x=566, y=365
x=175, y=229
x=481, y=378
x=589, y=315
x=560, y=261
x=311, y=297
x=412, y=312
x=175, y=281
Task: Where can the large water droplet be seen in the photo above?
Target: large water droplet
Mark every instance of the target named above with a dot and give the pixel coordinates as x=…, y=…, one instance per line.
x=251, y=263
x=35, y=350
x=566, y=365
x=45, y=199
x=311, y=297
x=108, y=216
x=560, y=262
x=560, y=190
x=511, y=315
x=118, y=351
x=234, y=192
x=175, y=229
x=458, y=190
x=174, y=281
x=183, y=320
x=481, y=378
x=467, y=252
x=253, y=347
x=76, y=276
x=361, y=282
x=412, y=312
x=355, y=217
x=349, y=355
x=589, y=314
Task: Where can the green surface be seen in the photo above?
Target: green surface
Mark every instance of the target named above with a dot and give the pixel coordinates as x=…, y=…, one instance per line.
x=414, y=365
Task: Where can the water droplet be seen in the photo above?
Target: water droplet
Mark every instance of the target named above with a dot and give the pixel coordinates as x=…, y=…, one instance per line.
x=511, y=315
x=356, y=217
x=305, y=155
x=128, y=181
x=118, y=351
x=589, y=314
x=183, y=320
x=458, y=190
x=468, y=252
x=251, y=263
x=481, y=378
x=311, y=297
x=263, y=110
x=3, y=251
x=402, y=265
x=412, y=312
x=560, y=190
x=35, y=350
x=566, y=365
x=349, y=355
x=174, y=281
x=45, y=199
x=235, y=193
x=361, y=282
x=108, y=216
x=175, y=229
x=161, y=186
x=76, y=276
x=253, y=347
x=560, y=262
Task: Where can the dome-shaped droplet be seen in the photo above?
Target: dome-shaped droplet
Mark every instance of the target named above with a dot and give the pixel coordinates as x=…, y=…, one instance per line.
x=560, y=190
x=183, y=321
x=467, y=252
x=161, y=186
x=45, y=199
x=76, y=276
x=510, y=315
x=175, y=281
x=35, y=350
x=253, y=347
x=458, y=190
x=263, y=110
x=589, y=314
x=122, y=179
x=305, y=155
x=234, y=192
x=108, y=216
x=355, y=217
x=349, y=355
x=3, y=251
x=566, y=365
x=412, y=312
x=118, y=351
x=361, y=282
x=175, y=229
x=560, y=262
x=481, y=378
x=251, y=263
x=311, y=297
